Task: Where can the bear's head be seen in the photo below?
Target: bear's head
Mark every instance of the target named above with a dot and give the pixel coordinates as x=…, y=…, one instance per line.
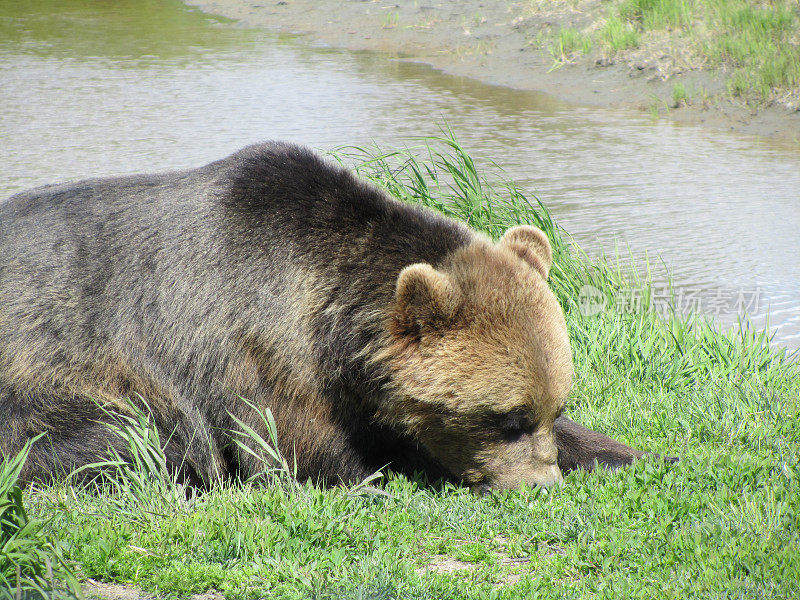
x=481, y=361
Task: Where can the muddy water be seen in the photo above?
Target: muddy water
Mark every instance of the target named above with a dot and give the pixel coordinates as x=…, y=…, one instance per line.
x=95, y=88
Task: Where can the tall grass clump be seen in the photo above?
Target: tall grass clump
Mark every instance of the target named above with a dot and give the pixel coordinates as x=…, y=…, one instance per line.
x=276, y=467
x=31, y=561
x=618, y=34
x=568, y=41
x=136, y=481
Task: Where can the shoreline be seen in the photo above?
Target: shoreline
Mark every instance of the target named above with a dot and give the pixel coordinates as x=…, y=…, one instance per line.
x=494, y=45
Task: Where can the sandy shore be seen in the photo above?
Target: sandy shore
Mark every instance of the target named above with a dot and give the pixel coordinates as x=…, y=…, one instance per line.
x=501, y=43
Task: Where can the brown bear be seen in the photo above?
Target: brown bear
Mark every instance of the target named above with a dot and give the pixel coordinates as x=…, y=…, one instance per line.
x=375, y=331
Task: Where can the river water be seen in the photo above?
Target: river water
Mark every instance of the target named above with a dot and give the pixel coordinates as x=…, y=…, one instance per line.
x=92, y=88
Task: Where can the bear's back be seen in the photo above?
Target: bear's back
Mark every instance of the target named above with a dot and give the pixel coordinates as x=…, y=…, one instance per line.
x=272, y=238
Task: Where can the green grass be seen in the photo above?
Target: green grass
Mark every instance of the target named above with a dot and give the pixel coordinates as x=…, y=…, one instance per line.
x=569, y=41
x=760, y=44
x=31, y=562
x=755, y=46
x=722, y=523
x=619, y=34
x=679, y=94
x=657, y=14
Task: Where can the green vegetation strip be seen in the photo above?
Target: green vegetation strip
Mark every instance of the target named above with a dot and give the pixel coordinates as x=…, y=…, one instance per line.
x=722, y=523
x=31, y=562
x=756, y=45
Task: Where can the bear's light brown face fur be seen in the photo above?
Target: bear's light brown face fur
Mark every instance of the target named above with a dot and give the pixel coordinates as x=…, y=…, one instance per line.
x=481, y=360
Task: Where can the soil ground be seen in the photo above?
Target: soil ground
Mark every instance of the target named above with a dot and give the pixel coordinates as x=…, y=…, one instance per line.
x=112, y=591
x=506, y=43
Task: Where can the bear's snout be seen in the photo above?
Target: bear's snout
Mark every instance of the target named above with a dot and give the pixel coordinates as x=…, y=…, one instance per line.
x=549, y=476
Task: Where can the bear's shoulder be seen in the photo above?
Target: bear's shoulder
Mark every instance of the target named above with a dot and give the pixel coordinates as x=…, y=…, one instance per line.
x=276, y=193
x=284, y=166
x=284, y=176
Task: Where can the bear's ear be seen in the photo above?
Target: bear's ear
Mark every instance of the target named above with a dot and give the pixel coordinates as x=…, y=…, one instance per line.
x=532, y=246
x=425, y=299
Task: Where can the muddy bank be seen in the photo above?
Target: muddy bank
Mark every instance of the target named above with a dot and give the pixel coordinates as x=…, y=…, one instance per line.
x=506, y=44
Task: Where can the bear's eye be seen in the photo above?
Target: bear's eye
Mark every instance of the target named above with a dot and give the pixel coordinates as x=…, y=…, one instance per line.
x=514, y=424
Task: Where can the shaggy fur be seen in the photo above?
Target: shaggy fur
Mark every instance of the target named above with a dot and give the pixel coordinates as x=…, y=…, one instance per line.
x=375, y=331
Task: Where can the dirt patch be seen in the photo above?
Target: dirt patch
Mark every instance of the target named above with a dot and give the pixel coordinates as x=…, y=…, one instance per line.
x=447, y=564
x=114, y=591
x=502, y=43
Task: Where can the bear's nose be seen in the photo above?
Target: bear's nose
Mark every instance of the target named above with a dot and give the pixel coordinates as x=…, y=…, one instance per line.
x=549, y=476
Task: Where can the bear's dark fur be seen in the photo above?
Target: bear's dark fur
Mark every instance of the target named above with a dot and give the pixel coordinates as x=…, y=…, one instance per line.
x=376, y=332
